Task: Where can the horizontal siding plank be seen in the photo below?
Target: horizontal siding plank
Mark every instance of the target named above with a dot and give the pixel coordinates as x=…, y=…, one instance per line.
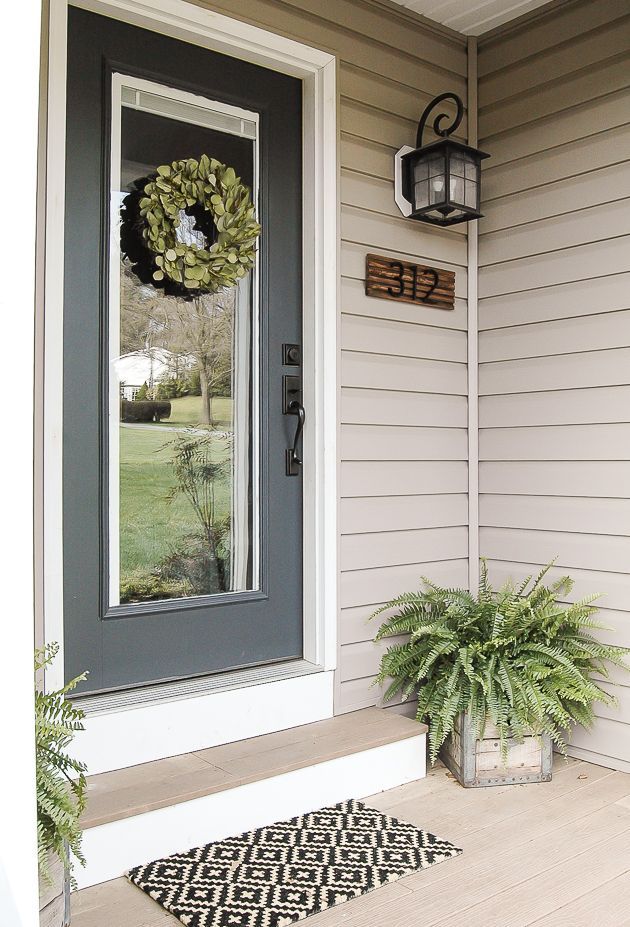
x=403, y=339
x=608, y=738
x=370, y=158
x=609, y=146
x=593, y=368
x=568, y=336
x=402, y=477
x=355, y=624
x=411, y=374
x=616, y=628
x=610, y=478
x=605, y=185
x=619, y=712
x=394, y=548
x=365, y=121
x=613, y=587
x=391, y=26
x=563, y=301
x=368, y=193
x=389, y=51
x=403, y=513
x=365, y=587
x=561, y=128
x=365, y=86
x=362, y=660
x=595, y=516
x=567, y=442
x=582, y=551
x=354, y=695
x=387, y=407
x=579, y=87
x=383, y=232
x=581, y=227
x=394, y=443
x=587, y=49
x=581, y=263
x=559, y=25
x=562, y=407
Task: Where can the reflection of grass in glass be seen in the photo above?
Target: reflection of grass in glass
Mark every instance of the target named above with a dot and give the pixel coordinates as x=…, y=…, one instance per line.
x=151, y=526
x=187, y=411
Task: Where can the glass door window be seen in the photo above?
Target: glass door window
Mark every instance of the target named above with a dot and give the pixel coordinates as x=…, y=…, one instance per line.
x=183, y=378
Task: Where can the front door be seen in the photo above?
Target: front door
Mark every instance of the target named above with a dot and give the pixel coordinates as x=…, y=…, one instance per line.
x=182, y=373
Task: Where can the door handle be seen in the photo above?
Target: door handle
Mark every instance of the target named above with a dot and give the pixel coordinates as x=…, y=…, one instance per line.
x=293, y=460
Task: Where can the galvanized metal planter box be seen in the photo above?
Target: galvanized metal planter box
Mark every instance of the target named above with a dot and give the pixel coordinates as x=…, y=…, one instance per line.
x=477, y=763
x=54, y=896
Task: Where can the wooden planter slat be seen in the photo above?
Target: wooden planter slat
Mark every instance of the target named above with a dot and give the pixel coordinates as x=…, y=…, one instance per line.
x=477, y=763
x=54, y=896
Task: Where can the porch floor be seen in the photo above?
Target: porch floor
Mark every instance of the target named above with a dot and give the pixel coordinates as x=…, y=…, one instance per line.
x=555, y=854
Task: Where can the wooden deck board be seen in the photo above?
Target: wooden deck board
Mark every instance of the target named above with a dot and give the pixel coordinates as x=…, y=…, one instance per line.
x=546, y=855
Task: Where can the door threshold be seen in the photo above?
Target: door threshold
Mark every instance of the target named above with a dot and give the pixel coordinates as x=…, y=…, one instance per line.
x=200, y=685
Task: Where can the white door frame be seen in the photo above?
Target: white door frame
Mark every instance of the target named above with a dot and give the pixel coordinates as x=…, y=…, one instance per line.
x=101, y=744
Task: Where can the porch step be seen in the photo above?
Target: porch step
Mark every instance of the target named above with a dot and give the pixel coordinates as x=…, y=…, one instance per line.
x=154, y=809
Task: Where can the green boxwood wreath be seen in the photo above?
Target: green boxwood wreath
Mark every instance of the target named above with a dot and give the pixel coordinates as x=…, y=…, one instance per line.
x=223, y=211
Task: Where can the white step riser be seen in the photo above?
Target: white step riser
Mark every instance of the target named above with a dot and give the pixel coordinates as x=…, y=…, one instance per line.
x=111, y=849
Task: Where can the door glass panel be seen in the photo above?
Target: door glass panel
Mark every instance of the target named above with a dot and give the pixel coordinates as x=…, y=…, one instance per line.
x=183, y=374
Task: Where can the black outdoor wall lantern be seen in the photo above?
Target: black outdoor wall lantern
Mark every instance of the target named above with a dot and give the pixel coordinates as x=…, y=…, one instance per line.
x=439, y=183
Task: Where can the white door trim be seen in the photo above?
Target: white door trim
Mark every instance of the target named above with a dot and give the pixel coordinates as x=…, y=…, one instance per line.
x=317, y=70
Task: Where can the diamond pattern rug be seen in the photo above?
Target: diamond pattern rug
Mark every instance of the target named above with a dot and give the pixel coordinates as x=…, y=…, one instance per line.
x=276, y=875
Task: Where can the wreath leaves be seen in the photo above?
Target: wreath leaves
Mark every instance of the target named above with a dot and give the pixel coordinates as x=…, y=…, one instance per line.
x=224, y=213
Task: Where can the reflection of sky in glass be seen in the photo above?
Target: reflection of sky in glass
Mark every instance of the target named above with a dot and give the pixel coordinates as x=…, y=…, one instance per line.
x=186, y=233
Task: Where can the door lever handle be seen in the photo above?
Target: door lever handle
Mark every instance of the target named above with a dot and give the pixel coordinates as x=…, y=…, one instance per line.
x=293, y=460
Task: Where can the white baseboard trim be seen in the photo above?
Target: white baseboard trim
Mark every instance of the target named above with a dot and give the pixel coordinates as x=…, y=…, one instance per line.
x=599, y=759
x=115, y=739
x=111, y=849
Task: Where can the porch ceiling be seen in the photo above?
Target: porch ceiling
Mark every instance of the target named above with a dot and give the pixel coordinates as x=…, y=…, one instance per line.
x=472, y=17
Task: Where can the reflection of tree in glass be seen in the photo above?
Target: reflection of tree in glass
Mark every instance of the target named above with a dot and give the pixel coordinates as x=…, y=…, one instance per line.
x=200, y=329
x=195, y=474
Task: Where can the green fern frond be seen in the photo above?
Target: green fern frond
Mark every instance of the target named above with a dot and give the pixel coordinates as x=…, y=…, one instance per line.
x=519, y=656
x=60, y=779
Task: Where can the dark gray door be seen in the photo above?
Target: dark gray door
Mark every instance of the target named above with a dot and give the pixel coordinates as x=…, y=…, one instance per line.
x=182, y=529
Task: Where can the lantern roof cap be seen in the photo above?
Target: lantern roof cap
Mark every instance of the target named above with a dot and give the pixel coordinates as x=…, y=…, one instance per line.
x=444, y=143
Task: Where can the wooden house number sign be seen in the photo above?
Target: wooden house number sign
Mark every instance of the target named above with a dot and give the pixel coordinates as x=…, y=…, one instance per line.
x=409, y=283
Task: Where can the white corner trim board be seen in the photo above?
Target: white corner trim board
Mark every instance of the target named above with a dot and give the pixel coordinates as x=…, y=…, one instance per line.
x=124, y=737
x=472, y=234
x=111, y=849
x=317, y=70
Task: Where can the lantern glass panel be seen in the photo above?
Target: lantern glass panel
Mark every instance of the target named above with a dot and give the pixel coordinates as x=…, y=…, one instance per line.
x=421, y=194
x=463, y=176
x=471, y=194
x=436, y=189
x=428, y=180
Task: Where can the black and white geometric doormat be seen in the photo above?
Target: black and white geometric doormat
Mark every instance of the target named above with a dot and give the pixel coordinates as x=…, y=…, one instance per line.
x=280, y=874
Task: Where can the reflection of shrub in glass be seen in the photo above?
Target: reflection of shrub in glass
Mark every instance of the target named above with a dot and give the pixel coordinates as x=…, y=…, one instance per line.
x=195, y=473
x=150, y=585
x=190, y=565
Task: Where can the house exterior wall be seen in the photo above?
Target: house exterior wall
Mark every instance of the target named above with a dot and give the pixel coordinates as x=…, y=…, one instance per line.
x=554, y=311
x=403, y=408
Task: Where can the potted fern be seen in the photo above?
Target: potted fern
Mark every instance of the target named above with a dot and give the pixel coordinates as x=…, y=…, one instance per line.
x=61, y=786
x=500, y=676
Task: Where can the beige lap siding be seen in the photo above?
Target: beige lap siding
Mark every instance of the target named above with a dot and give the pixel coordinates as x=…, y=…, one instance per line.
x=554, y=347
x=403, y=368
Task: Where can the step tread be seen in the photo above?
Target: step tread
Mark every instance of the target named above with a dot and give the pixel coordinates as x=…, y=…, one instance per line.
x=124, y=793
